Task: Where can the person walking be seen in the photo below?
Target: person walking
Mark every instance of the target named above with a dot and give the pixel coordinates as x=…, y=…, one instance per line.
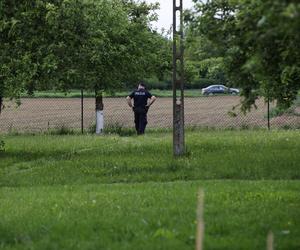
x=142, y=100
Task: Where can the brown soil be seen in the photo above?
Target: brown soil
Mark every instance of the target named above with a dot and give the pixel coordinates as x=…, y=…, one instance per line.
x=46, y=113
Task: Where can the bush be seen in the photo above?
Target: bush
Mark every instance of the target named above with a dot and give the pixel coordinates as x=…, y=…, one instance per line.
x=196, y=84
x=161, y=85
x=202, y=83
x=167, y=83
x=2, y=146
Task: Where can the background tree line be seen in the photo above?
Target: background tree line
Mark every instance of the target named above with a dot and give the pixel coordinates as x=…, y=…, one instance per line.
x=250, y=44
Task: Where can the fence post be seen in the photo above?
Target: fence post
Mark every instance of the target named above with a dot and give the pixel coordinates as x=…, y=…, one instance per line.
x=81, y=111
x=99, y=112
x=269, y=125
x=1, y=103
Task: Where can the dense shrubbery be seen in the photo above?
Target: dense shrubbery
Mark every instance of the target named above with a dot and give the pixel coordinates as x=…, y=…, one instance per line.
x=2, y=145
x=195, y=84
x=202, y=83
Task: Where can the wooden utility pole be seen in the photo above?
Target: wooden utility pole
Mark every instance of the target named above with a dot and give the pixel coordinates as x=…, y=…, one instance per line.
x=178, y=81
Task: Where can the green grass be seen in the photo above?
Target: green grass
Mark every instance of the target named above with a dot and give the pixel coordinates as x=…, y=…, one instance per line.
x=238, y=215
x=248, y=155
x=111, y=192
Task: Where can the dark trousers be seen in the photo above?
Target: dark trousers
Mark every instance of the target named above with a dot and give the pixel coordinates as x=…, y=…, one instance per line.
x=140, y=120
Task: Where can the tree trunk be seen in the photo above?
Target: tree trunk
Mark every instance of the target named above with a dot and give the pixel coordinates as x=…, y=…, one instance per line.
x=99, y=113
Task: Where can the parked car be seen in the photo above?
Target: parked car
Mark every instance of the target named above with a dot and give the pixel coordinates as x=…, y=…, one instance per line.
x=219, y=89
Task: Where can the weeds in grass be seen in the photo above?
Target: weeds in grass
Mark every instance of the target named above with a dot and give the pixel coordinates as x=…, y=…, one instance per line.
x=92, y=128
x=63, y=130
x=174, y=165
x=119, y=129
x=2, y=146
x=116, y=128
x=277, y=111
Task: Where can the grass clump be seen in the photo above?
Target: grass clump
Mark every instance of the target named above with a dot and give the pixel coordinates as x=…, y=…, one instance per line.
x=119, y=129
x=62, y=130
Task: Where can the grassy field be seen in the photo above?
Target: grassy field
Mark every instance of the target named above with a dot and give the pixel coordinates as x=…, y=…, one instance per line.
x=111, y=192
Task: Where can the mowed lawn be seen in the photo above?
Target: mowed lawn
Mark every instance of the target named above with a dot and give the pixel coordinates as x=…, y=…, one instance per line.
x=111, y=192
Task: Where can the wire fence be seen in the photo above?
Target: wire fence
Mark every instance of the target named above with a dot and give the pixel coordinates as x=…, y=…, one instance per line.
x=44, y=114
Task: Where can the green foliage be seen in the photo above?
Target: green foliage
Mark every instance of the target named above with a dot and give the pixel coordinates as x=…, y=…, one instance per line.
x=159, y=89
x=202, y=83
x=2, y=146
x=203, y=60
x=214, y=68
x=260, y=44
x=278, y=111
x=210, y=68
x=60, y=44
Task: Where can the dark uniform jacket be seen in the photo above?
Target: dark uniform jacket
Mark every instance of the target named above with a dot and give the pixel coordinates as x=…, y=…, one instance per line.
x=140, y=98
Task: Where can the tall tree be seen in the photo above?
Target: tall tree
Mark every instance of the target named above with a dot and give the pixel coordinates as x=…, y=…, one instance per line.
x=204, y=60
x=64, y=44
x=260, y=42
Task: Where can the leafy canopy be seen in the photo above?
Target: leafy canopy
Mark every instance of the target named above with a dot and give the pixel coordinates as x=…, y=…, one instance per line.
x=64, y=44
x=260, y=43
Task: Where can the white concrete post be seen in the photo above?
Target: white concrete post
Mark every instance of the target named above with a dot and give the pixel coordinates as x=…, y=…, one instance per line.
x=99, y=121
x=99, y=113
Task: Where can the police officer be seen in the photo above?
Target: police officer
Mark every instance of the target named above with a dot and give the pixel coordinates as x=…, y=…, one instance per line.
x=142, y=100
